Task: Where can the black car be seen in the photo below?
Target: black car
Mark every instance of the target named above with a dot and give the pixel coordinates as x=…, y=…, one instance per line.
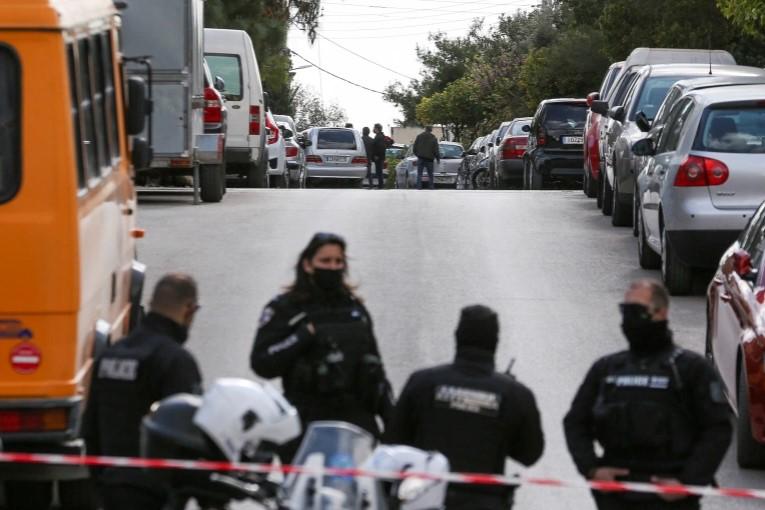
x=556, y=140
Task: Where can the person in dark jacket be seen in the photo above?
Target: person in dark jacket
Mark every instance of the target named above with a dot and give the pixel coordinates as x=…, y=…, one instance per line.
x=318, y=337
x=369, y=148
x=133, y=373
x=427, y=151
x=475, y=416
x=378, y=153
x=657, y=411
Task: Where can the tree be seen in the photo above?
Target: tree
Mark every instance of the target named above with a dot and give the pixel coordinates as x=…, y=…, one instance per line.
x=749, y=15
x=457, y=106
x=310, y=111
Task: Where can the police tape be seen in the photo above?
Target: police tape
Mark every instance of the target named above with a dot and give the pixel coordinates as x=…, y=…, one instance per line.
x=460, y=478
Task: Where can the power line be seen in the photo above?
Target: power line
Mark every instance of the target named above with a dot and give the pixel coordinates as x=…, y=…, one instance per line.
x=363, y=57
x=336, y=76
x=401, y=17
x=399, y=27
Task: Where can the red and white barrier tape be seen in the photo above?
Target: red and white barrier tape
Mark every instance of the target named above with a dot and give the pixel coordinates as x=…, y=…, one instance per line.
x=466, y=478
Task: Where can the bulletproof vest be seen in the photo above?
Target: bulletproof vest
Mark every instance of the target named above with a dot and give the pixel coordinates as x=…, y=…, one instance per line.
x=640, y=409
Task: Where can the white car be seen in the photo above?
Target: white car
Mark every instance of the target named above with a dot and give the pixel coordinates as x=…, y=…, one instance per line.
x=334, y=153
x=277, y=174
x=445, y=172
x=294, y=152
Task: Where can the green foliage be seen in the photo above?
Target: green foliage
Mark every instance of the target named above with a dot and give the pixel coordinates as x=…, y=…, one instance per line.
x=749, y=15
x=310, y=111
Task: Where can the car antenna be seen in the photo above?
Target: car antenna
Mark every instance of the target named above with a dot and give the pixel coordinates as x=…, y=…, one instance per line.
x=709, y=44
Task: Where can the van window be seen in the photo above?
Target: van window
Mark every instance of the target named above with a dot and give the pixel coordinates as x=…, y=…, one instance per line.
x=75, y=109
x=336, y=139
x=87, y=119
x=228, y=67
x=10, y=124
x=106, y=83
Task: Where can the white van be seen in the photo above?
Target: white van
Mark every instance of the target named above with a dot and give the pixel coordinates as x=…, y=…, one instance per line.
x=231, y=56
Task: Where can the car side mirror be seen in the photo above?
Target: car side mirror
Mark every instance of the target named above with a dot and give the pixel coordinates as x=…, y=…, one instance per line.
x=287, y=133
x=644, y=147
x=220, y=84
x=482, y=149
x=592, y=96
x=617, y=113
x=526, y=128
x=141, y=153
x=642, y=122
x=138, y=106
x=600, y=107
x=471, y=152
x=498, y=141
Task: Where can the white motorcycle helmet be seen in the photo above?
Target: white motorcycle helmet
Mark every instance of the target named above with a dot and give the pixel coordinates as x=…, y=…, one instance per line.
x=239, y=414
x=412, y=493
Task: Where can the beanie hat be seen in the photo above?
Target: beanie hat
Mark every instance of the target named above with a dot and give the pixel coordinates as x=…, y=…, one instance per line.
x=478, y=328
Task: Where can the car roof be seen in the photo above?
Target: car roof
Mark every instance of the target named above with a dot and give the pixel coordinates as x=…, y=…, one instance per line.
x=564, y=100
x=722, y=70
x=729, y=94
x=718, y=81
x=642, y=56
x=522, y=119
x=447, y=142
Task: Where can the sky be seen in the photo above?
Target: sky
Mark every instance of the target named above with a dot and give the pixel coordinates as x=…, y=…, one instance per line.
x=387, y=33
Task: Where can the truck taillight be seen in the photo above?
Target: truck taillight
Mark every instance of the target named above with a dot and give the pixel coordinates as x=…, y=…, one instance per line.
x=290, y=151
x=213, y=111
x=701, y=171
x=34, y=420
x=254, y=120
x=359, y=161
x=313, y=159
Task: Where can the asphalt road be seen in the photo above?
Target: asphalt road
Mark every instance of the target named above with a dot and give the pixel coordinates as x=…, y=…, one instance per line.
x=549, y=262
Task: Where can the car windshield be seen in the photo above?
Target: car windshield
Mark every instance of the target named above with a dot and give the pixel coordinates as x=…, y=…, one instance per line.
x=449, y=151
x=343, y=139
x=565, y=115
x=229, y=68
x=517, y=129
x=734, y=130
x=654, y=91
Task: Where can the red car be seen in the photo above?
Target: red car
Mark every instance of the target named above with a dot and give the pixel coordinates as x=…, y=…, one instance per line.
x=592, y=135
x=736, y=336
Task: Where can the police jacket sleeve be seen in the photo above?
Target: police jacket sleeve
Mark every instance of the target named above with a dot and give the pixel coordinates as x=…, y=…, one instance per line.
x=401, y=428
x=527, y=441
x=712, y=416
x=282, y=337
x=181, y=375
x=578, y=423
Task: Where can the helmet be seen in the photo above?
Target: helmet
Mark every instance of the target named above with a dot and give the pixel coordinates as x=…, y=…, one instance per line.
x=239, y=414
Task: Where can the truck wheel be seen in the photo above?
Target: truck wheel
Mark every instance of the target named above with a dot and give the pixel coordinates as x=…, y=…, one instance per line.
x=256, y=176
x=78, y=495
x=212, y=180
x=28, y=495
x=677, y=276
x=749, y=453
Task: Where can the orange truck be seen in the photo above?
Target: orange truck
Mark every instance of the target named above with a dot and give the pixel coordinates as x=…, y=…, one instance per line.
x=69, y=281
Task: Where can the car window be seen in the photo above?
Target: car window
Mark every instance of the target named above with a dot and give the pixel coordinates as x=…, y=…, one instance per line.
x=666, y=106
x=739, y=130
x=670, y=136
x=608, y=81
x=449, y=151
x=517, y=128
x=652, y=93
x=503, y=131
x=228, y=67
x=621, y=92
x=10, y=124
x=565, y=115
x=342, y=139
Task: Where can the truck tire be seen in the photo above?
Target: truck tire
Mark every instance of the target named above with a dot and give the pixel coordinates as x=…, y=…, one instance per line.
x=28, y=495
x=212, y=181
x=256, y=176
x=78, y=495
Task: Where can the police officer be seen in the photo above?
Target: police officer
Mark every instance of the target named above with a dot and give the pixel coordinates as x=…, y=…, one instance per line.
x=318, y=337
x=470, y=413
x=144, y=367
x=657, y=411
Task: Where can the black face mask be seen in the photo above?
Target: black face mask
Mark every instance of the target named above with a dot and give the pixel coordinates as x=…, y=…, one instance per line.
x=328, y=280
x=644, y=334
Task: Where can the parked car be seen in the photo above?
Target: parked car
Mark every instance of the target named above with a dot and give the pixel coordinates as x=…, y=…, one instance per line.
x=480, y=176
x=334, y=153
x=397, y=150
x=496, y=151
x=463, y=177
x=701, y=181
x=641, y=105
x=555, y=142
x=445, y=172
x=277, y=175
x=294, y=153
x=591, y=179
x=230, y=55
x=510, y=152
x=736, y=336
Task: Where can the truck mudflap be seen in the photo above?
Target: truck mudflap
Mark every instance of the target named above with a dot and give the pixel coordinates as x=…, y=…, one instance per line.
x=209, y=148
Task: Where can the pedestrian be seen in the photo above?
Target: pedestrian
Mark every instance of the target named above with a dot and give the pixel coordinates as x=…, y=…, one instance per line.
x=475, y=416
x=657, y=411
x=318, y=337
x=378, y=153
x=133, y=373
x=427, y=151
x=369, y=148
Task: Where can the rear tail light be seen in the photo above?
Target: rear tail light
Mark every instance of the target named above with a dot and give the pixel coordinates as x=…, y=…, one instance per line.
x=213, y=111
x=359, y=161
x=291, y=152
x=273, y=130
x=313, y=159
x=254, y=120
x=701, y=171
x=513, y=149
x=541, y=138
x=34, y=420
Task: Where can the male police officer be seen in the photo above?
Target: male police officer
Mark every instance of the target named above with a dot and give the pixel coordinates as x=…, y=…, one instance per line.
x=657, y=410
x=470, y=413
x=144, y=367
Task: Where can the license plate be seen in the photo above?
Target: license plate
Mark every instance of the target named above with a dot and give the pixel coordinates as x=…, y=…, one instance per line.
x=444, y=179
x=571, y=140
x=336, y=159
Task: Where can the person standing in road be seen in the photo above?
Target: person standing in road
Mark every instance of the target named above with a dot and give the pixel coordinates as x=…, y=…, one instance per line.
x=369, y=148
x=475, y=416
x=133, y=373
x=318, y=337
x=658, y=411
x=427, y=151
x=378, y=153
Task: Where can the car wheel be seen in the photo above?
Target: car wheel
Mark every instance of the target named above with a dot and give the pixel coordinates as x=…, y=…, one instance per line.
x=598, y=191
x=647, y=258
x=677, y=276
x=482, y=180
x=28, y=495
x=607, y=195
x=635, y=205
x=589, y=185
x=750, y=454
x=535, y=179
x=256, y=176
x=621, y=212
x=212, y=182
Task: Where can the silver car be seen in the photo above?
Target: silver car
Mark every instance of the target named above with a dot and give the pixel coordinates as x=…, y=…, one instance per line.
x=334, y=153
x=445, y=172
x=702, y=179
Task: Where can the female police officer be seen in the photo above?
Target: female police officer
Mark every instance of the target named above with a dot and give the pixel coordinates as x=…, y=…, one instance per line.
x=317, y=336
